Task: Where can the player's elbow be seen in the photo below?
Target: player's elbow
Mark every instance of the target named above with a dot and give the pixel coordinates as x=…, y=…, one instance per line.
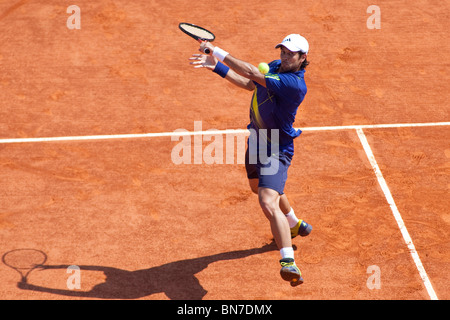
x=251, y=72
x=255, y=75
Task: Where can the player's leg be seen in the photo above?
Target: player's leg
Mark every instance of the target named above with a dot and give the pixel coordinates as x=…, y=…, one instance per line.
x=297, y=226
x=272, y=179
x=269, y=200
x=269, y=189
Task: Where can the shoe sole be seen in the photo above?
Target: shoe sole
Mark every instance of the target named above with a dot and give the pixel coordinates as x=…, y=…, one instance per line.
x=294, y=278
x=297, y=282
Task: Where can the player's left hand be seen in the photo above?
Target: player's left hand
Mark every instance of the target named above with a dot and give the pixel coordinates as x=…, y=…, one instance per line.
x=203, y=61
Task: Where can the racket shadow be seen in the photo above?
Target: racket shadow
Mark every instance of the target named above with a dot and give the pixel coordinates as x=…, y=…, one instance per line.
x=176, y=279
x=24, y=261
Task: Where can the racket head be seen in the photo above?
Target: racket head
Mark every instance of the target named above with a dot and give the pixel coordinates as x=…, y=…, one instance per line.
x=196, y=32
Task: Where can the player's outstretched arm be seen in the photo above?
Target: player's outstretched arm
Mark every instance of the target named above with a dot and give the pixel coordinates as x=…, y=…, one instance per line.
x=210, y=62
x=242, y=68
x=245, y=69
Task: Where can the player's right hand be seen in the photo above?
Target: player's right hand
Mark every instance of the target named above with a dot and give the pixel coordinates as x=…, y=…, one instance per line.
x=206, y=47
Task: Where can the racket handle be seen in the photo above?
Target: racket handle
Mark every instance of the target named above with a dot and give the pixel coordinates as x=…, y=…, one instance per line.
x=207, y=51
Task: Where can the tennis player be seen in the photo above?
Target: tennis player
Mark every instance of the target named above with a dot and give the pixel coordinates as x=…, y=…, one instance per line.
x=276, y=98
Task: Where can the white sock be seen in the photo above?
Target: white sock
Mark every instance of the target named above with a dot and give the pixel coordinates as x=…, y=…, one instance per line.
x=292, y=219
x=287, y=252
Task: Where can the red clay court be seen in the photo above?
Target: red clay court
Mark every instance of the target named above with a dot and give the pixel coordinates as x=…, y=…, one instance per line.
x=86, y=136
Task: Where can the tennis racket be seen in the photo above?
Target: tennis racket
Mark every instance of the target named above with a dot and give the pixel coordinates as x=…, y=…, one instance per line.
x=198, y=33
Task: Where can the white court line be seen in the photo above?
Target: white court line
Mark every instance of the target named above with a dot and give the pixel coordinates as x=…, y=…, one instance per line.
x=397, y=215
x=179, y=133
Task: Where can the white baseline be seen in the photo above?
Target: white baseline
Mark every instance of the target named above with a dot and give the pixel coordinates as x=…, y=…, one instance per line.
x=212, y=132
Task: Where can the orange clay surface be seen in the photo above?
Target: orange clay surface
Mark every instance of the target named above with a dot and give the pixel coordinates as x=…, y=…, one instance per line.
x=141, y=227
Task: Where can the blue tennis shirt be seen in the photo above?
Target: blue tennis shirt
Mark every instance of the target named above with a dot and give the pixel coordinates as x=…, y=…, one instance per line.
x=275, y=106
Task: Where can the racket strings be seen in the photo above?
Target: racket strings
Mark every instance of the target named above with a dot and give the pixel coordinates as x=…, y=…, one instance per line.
x=198, y=32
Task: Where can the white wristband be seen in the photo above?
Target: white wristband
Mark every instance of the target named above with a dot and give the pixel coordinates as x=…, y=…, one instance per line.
x=219, y=53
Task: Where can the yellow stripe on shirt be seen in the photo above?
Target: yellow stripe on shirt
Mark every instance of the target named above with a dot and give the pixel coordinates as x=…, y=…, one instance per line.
x=255, y=111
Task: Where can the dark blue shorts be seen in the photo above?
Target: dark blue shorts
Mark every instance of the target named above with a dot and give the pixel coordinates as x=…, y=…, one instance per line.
x=271, y=172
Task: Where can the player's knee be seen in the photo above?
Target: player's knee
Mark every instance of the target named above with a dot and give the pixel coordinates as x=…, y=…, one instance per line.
x=268, y=202
x=266, y=206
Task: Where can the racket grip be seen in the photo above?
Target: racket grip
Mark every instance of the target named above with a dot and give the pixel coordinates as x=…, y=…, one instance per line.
x=207, y=51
